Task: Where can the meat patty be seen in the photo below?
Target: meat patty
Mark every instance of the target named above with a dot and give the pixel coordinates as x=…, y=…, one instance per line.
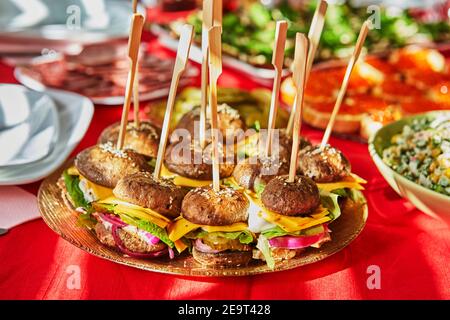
x=222, y=259
x=208, y=207
x=144, y=140
x=129, y=237
x=300, y=197
x=193, y=162
x=161, y=196
x=105, y=165
x=325, y=165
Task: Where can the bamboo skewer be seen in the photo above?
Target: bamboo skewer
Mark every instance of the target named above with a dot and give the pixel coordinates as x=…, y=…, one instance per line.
x=215, y=69
x=299, y=77
x=315, y=31
x=340, y=97
x=208, y=21
x=277, y=62
x=134, y=42
x=184, y=46
x=136, y=83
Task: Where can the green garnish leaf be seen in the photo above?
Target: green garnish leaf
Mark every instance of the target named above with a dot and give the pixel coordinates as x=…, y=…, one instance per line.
x=74, y=191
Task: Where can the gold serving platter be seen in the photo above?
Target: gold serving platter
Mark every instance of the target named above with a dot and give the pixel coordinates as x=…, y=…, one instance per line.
x=63, y=220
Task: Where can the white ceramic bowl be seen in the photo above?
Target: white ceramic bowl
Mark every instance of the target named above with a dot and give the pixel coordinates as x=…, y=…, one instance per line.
x=431, y=202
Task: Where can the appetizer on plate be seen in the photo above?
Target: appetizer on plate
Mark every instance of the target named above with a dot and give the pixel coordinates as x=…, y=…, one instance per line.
x=143, y=138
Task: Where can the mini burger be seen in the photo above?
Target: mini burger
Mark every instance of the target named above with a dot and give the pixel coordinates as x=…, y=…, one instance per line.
x=96, y=172
x=143, y=139
x=329, y=168
x=216, y=224
x=134, y=219
x=187, y=163
x=290, y=217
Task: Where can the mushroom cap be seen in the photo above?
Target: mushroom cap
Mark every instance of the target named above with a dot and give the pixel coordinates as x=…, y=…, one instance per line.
x=143, y=190
x=144, y=140
x=325, y=165
x=300, y=197
x=208, y=207
x=105, y=165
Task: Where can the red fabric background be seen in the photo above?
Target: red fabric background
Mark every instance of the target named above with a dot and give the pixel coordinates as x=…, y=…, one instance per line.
x=411, y=249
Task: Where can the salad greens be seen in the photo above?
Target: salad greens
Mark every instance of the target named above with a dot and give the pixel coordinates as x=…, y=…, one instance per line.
x=421, y=153
x=248, y=33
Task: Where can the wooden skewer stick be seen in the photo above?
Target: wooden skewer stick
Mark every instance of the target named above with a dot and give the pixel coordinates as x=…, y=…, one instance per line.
x=315, y=31
x=277, y=62
x=208, y=18
x=134, y=42
x=136, y=83
x=299, y=77
x=340, y=97
x=181, y=60
x=215, y=69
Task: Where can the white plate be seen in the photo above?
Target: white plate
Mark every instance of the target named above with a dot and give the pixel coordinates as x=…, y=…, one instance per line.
x=69, y=21
x=35, y=127
x=75, y=114
x=34, y=84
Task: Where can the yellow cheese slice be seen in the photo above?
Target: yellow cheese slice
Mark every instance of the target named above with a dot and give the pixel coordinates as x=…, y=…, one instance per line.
x=100, y=191
x=180, y=227
x=73, y=171
x=351, y=182
x=137, y=211
x=289, y=223
x=183, y=181
x=180, y=246
x=239, y=226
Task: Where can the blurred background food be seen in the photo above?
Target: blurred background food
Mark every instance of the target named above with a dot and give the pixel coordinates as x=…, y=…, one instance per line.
x=382, y=89
x=249, y=26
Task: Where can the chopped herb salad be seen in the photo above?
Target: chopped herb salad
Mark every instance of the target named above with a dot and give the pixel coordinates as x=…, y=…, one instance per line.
x=421, y=153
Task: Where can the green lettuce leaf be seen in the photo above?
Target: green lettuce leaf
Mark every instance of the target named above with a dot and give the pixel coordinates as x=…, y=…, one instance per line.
x=259, y=188
x=148, y=226
x=330, y=201
x=278, y=232
x=342, y=192
x=244, y=237
x=264, y=247
x=74, y=191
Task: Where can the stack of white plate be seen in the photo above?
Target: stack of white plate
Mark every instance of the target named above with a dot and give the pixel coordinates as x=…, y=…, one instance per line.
x=38, y=131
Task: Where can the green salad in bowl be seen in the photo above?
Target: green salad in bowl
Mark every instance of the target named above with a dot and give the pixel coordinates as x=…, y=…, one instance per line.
x=421, y=152
x=413, y=155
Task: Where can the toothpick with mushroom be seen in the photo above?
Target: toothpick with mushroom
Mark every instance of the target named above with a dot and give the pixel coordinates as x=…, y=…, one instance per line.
x=215, y=69
x=208, y=20
x=136, y=84
x=134, y=42
x=181, y=60
x=315, y=31
x=277, y=62
x=340, y=97
x=299, y=78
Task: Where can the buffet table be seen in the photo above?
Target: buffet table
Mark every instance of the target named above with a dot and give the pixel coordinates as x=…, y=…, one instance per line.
x=401, y=253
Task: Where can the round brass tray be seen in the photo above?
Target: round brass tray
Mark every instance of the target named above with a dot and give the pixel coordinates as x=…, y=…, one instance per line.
x=63, y=220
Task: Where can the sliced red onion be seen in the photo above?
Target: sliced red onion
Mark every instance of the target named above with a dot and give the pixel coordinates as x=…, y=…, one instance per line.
x=115, y=221
x=121, y=246
x=200, y=246
x=171, y=253
x=153, y=239
x=293, y=242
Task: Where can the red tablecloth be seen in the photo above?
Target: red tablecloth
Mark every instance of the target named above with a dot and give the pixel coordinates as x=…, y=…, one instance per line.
x=411, y=249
